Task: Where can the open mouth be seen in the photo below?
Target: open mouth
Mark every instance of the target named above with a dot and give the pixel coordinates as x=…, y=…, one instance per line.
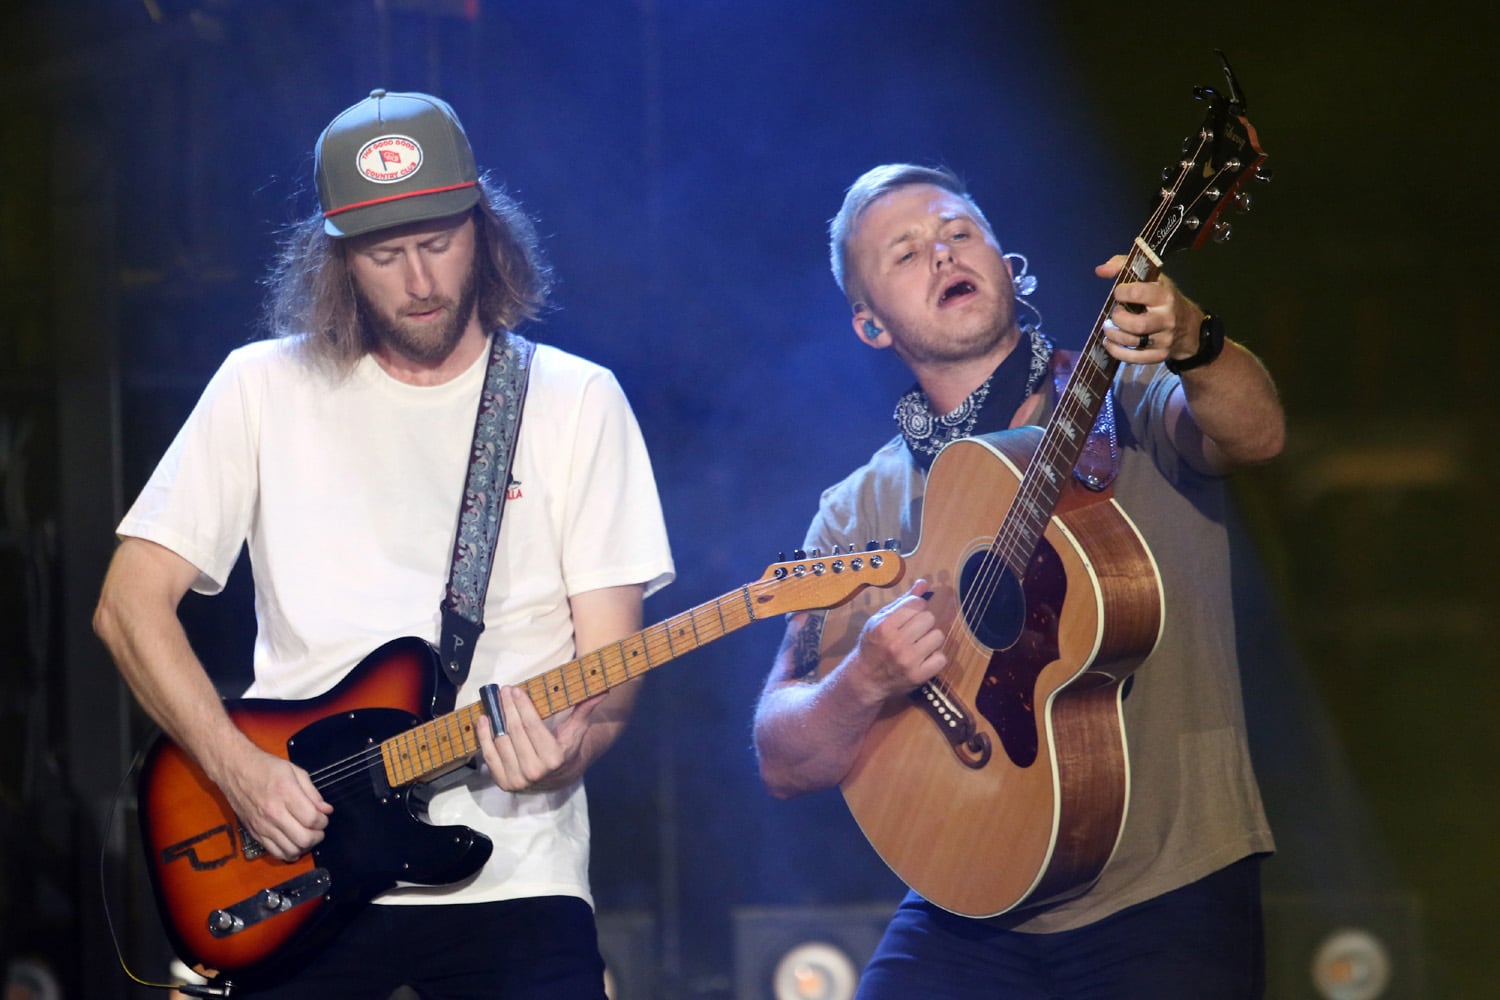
x=957, y=290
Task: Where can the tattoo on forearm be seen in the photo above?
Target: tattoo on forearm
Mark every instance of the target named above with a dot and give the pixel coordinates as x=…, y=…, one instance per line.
x=805, y=648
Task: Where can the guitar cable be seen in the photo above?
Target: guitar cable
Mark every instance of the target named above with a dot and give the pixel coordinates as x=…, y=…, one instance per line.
x=202, y=991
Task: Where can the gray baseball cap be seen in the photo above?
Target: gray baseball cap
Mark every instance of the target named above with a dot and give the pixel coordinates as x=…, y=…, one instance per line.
x=391, y=159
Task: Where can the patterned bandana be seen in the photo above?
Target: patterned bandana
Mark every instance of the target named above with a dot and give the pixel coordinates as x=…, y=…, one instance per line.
x=988, y=408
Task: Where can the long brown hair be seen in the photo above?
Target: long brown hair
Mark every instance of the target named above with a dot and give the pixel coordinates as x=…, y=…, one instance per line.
x=310, y=292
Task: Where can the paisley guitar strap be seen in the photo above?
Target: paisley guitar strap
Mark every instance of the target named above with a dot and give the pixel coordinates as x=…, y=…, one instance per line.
x=490, y=457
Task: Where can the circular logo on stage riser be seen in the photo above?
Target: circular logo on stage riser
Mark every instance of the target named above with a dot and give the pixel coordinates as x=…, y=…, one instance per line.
x=389, y=159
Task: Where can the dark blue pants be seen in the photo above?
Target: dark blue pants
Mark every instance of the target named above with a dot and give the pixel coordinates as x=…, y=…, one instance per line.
x=1204, y=941
x=526, y=949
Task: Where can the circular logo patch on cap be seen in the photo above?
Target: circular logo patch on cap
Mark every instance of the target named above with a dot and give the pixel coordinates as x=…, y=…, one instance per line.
x=389, y=159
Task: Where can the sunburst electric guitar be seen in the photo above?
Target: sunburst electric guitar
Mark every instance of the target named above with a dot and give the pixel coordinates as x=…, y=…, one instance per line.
x=1003, y=782
x=370, y=745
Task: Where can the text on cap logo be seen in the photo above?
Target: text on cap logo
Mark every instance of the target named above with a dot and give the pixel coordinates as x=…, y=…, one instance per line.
x=388, y=159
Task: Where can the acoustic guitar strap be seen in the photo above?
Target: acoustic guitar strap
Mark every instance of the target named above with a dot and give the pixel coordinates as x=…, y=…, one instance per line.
x=1099, y=461
x=490, y=458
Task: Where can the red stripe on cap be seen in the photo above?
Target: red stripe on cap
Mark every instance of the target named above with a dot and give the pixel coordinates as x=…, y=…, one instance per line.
x=397, y=197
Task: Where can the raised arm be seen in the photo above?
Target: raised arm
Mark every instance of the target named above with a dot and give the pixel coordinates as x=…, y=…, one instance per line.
x=1225, y=413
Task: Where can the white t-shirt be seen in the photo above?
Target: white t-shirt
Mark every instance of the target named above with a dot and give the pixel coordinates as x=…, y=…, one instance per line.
x=346, y=492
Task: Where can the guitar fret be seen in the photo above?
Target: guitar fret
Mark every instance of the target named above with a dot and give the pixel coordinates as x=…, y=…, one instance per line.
x=612, y=669
x=592, y=666
x=549, y=685
x=457, y=747
x=395, y=771
x=671, y=652
x=431, y=748
x=444, y=731
x=424, y=745
x=636, y=648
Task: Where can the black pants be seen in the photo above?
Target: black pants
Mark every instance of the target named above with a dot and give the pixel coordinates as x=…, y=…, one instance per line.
x=1204, y=941
x=525, y=949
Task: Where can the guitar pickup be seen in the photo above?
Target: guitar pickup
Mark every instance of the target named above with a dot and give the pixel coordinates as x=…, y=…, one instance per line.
x=269, y=902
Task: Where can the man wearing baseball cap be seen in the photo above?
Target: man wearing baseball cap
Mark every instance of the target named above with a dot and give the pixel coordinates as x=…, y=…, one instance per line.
x=349, y=453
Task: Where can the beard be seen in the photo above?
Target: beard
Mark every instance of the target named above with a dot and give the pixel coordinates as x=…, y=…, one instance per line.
x=426, y=343
x=945, y=342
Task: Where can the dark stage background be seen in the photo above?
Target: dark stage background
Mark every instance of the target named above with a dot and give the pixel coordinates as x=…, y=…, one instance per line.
x=683, y=157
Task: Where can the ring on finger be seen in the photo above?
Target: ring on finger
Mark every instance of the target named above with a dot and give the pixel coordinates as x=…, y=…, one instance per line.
x=1145, y=342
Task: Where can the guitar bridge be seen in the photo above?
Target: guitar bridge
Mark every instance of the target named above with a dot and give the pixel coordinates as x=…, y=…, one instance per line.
x=969, y=745
x=269, y=902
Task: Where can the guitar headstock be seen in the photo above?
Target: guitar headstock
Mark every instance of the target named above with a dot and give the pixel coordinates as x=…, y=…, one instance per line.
x=819, y=581
x=1217, y=164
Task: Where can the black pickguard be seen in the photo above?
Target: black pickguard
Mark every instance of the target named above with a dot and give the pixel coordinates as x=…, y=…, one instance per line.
x=375, y=837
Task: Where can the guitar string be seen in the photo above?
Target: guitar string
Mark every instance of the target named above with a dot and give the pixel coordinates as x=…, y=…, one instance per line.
x=992, y=568
x=655, y=641
x=1004, y=551
x=994, y=563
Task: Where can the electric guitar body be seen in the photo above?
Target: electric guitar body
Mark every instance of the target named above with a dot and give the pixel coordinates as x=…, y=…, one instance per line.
x=372, y=747
x=223, y=896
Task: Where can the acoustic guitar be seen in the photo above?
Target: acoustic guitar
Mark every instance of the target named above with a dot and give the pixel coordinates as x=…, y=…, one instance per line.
x=1004, y=781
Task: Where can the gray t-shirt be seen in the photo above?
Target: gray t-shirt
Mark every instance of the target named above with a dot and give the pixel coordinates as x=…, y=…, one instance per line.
x=1194, y=804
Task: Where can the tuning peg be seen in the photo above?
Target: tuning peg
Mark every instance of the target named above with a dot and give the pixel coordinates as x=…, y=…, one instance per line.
x=798, y=554
x=1265, y=174
x=891, y=544
x=1222, y=231
x=1242, y=202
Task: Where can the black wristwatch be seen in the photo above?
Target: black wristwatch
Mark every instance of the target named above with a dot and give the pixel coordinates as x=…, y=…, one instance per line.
x=1210, y=346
